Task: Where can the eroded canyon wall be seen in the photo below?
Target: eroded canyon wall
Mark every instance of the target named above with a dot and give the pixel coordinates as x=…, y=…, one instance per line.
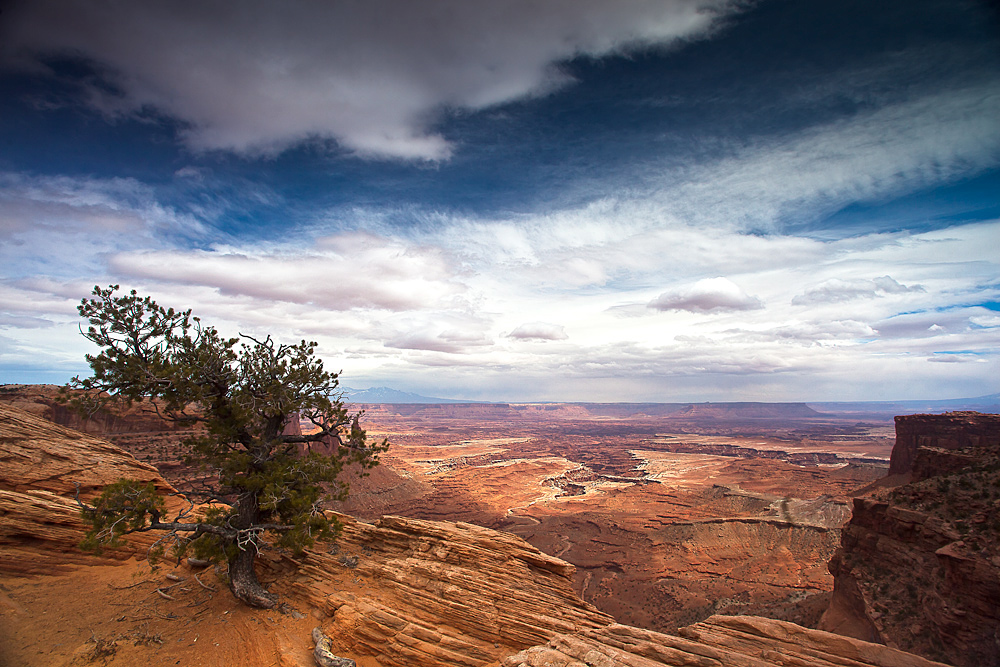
x=949, y=431
x=919, y=566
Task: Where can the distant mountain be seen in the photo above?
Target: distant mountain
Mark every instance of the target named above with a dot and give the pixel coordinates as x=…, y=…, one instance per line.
x=388, y=395
x=989, y=403
x=747, y=410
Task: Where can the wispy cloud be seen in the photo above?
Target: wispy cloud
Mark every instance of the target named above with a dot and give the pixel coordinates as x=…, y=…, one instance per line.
x=357, y=272
x=836, y=290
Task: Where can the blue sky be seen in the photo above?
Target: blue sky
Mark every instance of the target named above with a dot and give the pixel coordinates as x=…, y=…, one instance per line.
x=586, y=200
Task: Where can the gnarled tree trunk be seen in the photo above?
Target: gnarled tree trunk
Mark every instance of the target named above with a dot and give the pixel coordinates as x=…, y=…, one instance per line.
x=244, y=583
x=242, y=577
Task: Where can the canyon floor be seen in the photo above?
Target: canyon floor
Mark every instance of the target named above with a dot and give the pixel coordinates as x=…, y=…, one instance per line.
x=669, y=518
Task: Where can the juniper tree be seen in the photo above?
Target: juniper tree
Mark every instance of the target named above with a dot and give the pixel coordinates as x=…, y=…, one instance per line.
x=243, y=392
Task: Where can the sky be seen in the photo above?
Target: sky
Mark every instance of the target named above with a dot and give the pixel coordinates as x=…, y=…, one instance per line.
x=520, y=200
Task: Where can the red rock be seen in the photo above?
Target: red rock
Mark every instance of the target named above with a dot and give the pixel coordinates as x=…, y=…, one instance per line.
x=950, y=431
x=904, y=563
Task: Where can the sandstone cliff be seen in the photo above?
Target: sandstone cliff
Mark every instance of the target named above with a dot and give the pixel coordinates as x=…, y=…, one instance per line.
x=42, y=466
x=36, y=454
x=919, y=567
x=949, y=431
x=43, y=401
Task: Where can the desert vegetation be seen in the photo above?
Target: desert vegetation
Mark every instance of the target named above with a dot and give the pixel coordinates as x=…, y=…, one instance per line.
x=248, y=396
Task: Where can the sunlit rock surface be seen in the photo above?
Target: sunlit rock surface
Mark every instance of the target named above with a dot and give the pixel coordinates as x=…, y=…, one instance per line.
x=720, y=641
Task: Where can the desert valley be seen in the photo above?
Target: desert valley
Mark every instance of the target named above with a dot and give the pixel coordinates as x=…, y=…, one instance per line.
x=663, y=518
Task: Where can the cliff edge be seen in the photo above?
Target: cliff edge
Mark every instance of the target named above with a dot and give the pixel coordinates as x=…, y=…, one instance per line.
x=919, y=566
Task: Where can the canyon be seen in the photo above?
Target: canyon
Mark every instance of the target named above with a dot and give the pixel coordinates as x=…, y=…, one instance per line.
x=669, y=513
x=525, y=534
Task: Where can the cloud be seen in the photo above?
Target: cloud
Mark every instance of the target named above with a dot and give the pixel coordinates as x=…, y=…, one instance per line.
x=63, y=205
x=836, y=290
x=924, y=325
x=960, y=357
x=358, y=271
x=796, y=179
x=20, y=322
x=986, y=321
x=258, y=76
x=706, y=296
x=41, y=299
x=539, y=331
x=807, y=333
x=451, y=342
x=64, y=227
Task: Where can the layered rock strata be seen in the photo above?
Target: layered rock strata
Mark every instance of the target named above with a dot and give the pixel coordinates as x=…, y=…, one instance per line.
x=415, y=592
x=919, y=567
x=719, y=641
x=45, y=400
x=39, y=455
x=950, y=431
x=42, y=468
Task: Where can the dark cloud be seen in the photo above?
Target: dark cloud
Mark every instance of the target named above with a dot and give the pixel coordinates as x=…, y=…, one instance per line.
x=259, y=76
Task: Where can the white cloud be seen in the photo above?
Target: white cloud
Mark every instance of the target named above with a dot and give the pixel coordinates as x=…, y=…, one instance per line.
x=261, y=76
x=539, y=331
x=359, y=271
x=921, y=325
x=708, y=295
x=986, y=321
x=929, y=138
x=21, y=322
x=837, y=290
x=806, y=333
x=64, y=227
x=451, y=341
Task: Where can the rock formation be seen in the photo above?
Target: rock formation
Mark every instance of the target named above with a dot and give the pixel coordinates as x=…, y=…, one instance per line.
x=919, y=567
x=950, y=431
x=408, y=591
x=719, y=641
x=36, y=454
x=43, y=466
x=43, y=400
x=427, y=592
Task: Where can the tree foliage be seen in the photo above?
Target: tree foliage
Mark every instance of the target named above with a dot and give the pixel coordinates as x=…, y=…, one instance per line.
x=243, y=393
